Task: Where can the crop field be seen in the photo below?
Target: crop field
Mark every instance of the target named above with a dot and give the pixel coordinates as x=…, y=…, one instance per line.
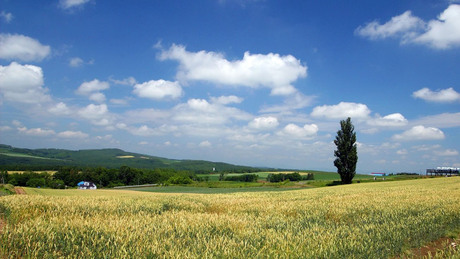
x=371, y=220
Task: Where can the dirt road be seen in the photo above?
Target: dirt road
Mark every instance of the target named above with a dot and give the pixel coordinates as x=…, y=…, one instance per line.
x=19, y=190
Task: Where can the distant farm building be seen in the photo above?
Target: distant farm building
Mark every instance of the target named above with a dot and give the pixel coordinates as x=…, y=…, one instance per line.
x=83, y=185
x=443, y=171
x=378, y=174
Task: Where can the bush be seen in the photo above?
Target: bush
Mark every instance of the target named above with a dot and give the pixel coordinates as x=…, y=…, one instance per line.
x=293, y=177
x=57, y=184
x=243, y=178
x=179, y=180
x=36, y=182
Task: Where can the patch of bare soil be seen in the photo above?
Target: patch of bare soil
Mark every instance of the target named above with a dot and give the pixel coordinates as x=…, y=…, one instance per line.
x=19, y=190
x=432, y=248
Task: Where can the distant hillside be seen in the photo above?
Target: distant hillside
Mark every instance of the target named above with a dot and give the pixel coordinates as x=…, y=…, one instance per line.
x=12, y=158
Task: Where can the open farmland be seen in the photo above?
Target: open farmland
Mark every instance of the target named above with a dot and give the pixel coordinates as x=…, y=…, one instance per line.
x=373, y=220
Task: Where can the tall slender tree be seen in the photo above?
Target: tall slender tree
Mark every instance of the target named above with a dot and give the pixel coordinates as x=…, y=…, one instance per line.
x=346, y=153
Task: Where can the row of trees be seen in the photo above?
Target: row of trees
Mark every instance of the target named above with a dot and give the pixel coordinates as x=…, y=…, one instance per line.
x=293, y=177
x=102, y=177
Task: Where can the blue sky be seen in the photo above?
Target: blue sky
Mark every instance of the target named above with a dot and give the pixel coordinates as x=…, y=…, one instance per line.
x=259, y=83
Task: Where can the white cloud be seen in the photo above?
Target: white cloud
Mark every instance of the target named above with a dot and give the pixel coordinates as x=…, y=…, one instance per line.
x=23, y=84
x=441, y=33
x=200, y=111
x=97, y=97
x=420, y=133
x=76, y=62
x=224, y=100
x=69, y=4
x=444, y=32
x=158, y=89
x=97, y=114
x=20, y=47
x=402, y=152
x=59, y=109
x=447, y=152
x=264, y=123
x=445, y=95
x=8, y=17
x=292, y=102
x=254, y=70
x=342, y=111
x=391, y=120
x=292, y=130
x=95, y=85
x=443, y=120
x=145, y=130
x=119, y=101
x=205, y=144
x=72, y=134
x=397, y=26
x=127, y=81
x=39, y=132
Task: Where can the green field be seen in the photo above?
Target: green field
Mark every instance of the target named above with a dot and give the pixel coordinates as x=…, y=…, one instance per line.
x=367, y=220
x=319, y=175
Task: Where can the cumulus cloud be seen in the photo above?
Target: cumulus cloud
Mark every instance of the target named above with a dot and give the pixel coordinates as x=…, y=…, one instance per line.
x=59, y=109
x=292, y=130
x=97, y=114
x=145, y=130
x=72, y=134
x=444, y=32
x=23, y=48
x=441, y=33
x=420, y=133
x=447, y=152
x=292, y=102
x=254, y=70
x=76, y=62
x=205, y=144
x=7, y=17
x=224, y=100
x=23, y=84
x=391, y=120
x=397, y=26
x=97, y=97
x=443, y=120
x=342, y=111
x=264, y=123
x=200, y=111
x=158, y=89
x=131, y=81
x=90, y=87
x=69, y=4
x=445, y=95
x=37, y=132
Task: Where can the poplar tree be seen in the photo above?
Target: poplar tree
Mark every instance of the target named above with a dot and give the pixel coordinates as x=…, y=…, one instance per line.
x=346, y=153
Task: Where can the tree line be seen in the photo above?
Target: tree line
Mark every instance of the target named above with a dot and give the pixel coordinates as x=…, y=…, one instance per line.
x=102, y=177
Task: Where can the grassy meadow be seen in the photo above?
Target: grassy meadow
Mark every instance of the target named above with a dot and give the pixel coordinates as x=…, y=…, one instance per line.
x=371, y=220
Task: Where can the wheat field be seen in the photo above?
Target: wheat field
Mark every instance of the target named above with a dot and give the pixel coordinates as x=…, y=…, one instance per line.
x=374, y=220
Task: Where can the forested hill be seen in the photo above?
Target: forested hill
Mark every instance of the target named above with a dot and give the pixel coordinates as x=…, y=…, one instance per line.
x=12, y=158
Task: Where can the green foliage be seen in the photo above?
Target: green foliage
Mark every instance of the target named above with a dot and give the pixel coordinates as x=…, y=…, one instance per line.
x=293, y=177
x=6, y=189
x=243, y=178
x=179, y=180
x=36, y=182
x=346, y=153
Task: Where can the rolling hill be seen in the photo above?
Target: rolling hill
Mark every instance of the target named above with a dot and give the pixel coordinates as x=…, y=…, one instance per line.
x=12, y=158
